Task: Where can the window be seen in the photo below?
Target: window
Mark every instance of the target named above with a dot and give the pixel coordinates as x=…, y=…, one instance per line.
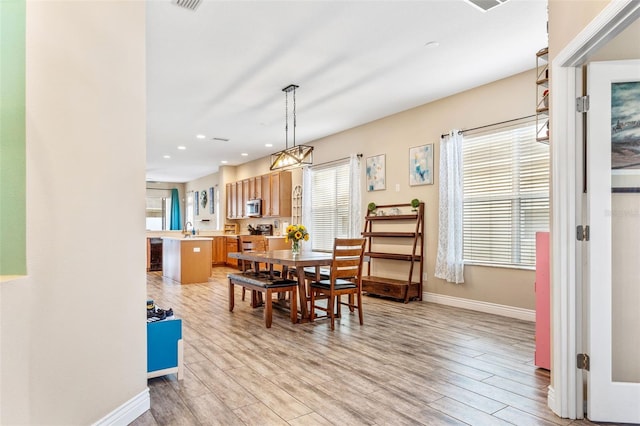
x=506, y=195
x=330, y=205
x=158, y=213
x=190, y=218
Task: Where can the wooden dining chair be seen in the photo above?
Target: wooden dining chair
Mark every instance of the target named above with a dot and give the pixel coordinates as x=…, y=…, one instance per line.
x=251, y=243
x=345, y=278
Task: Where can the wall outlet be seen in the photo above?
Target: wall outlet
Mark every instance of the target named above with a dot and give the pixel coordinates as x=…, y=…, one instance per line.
x=397, y=187
x=424, y=276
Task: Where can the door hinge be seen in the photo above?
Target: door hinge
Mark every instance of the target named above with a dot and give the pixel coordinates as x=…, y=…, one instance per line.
x=582, y=362
x=582, y=103
x=582, y=233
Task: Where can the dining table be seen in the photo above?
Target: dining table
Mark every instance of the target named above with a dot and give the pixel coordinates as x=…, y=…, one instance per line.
x=288, y=260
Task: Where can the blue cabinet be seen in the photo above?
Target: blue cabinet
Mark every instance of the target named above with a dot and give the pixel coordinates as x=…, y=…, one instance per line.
x=164, y=348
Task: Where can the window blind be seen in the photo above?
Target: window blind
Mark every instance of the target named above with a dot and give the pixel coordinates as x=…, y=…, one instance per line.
x=506, y=195
x=330, y=204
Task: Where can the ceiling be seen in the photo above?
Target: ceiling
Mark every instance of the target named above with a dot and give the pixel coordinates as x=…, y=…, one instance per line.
x=219, y=70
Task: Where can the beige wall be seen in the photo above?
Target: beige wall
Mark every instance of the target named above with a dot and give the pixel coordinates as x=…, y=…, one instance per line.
x=206, y=221
x=506, y=99
x=73, y=331
x=626, y=45
x=567, y=18
x=625, y=223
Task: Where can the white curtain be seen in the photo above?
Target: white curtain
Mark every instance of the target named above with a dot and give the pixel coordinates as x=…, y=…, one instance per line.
x=449, y=263
x=355, y=225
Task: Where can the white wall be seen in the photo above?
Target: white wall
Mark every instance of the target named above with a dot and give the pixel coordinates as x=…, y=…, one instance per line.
x=74, y=332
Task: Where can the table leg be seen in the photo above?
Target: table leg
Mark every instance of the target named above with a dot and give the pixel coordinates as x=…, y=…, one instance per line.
x=302, y=292
x=231, y=296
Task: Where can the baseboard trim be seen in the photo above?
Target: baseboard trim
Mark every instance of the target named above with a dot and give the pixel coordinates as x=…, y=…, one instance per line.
x=551, y=401
x=127, y=412
x=477, y=305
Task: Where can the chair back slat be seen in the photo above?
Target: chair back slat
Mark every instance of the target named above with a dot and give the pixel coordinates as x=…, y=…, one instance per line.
x=348, y=254
x=251, y=243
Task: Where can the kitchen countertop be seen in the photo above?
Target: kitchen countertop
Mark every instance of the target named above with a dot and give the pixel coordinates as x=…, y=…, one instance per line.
x=196, y=238
x=208, y=235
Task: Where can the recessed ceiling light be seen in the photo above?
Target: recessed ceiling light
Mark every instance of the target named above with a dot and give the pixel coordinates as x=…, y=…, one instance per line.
x=268, y=145
x=201, y=136
x=166, y=156
x=431, y=44
x=224, y=161
x=182, y=147
x=244, y=154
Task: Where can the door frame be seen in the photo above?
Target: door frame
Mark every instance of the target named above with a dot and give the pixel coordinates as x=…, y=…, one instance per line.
x=565, y=395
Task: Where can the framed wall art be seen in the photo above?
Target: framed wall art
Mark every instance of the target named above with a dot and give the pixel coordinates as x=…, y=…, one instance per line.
x=421, y=165
x=376, y=173
x=625, y=137
x=211, y=201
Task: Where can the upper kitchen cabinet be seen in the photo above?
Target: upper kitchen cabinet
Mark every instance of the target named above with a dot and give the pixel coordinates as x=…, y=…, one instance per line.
x=276, y=194
x=274, y=189
x=235, y=200
x=231, y=200
x=253, y=188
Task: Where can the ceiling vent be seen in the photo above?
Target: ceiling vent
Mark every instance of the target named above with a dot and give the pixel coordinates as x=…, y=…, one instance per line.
x=188, y=4
x=485, y=5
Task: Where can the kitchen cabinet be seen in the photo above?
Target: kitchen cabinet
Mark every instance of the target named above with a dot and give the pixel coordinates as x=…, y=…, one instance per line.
x=276, y=194
x=232, y=247
x=245, y=192
x=236, y=199
x=218, y=251
x=231, y=200
x=154, y=254
x=240, y=203
x=252, y=188
x=274, y=189
x=277, y=243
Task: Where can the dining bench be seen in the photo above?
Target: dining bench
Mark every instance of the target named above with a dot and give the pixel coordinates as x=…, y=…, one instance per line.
x=267, y=285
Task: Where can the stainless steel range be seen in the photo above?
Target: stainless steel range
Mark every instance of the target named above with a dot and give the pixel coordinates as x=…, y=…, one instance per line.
x=261, y=229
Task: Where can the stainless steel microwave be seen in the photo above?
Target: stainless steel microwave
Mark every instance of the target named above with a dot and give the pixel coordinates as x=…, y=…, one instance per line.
x=254, y=208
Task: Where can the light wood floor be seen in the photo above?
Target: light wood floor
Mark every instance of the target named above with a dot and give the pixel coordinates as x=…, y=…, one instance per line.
x=416, y=363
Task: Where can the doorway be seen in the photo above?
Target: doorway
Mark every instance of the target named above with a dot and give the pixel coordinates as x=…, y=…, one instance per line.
x=565, y=395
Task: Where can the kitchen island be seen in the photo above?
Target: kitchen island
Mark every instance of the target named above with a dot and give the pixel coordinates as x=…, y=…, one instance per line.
x=186, y=260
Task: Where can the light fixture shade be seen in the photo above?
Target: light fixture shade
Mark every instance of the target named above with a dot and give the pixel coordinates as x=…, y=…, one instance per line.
x=295, y=156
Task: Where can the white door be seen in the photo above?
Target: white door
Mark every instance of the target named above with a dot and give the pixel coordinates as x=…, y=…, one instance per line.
x=613, y=167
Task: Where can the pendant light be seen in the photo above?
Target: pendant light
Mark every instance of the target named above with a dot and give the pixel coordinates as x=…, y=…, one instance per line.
x=297, y=155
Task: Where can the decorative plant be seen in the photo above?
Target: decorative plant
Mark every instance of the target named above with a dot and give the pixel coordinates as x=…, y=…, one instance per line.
x=415, y=203
x=371, y=207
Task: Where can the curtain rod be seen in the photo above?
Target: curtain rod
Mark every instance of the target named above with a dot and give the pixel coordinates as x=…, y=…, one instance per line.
x=335, y=161
x=488, y=125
